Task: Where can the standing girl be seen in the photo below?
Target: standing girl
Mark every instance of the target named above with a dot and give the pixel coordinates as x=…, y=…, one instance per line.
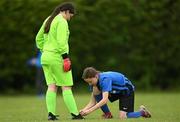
x=52, y=40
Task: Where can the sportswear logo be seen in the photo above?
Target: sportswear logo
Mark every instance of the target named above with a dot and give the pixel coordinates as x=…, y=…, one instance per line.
x=125, y=108
x=114, y=92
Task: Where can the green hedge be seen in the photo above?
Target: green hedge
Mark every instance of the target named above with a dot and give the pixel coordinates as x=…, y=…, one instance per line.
x=138, y=38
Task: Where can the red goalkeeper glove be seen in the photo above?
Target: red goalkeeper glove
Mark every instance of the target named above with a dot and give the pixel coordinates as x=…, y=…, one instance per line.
x=66, y=63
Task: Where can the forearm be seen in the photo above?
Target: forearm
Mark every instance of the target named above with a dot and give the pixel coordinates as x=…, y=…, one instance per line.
x=98, y=105
x=40, y=37
x=89, y=105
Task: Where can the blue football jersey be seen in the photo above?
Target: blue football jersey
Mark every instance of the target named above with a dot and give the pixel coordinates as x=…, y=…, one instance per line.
x=114, y=82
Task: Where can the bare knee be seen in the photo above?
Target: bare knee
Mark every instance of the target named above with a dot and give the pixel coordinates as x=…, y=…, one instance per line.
x=66, y=88
x=122, y=115
x=52, y=87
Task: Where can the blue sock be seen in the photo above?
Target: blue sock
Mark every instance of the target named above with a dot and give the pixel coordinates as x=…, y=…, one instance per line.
x=134, y=114
x=104, y=108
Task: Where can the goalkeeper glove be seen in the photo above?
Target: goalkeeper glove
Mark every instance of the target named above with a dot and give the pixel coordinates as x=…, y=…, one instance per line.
x=66, y=63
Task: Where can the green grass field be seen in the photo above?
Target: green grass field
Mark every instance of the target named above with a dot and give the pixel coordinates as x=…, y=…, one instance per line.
x=165, y=107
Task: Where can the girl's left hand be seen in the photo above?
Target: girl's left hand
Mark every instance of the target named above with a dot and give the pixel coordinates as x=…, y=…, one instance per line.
x=85, y=113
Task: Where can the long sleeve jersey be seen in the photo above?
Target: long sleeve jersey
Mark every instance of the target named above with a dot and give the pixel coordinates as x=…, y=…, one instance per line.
x=56, y=40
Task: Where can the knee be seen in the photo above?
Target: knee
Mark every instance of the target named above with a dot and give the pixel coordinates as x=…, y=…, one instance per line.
x=52, y=87
x=122, y=115
x=65, y=88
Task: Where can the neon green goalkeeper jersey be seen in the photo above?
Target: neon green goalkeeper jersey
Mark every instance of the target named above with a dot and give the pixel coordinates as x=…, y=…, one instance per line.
x=56, y=40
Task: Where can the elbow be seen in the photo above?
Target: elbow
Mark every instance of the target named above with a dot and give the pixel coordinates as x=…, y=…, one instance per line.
x=37, y=38
x=93, y=104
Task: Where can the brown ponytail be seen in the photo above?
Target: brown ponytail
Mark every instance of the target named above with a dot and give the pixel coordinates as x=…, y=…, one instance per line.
x=62, y=7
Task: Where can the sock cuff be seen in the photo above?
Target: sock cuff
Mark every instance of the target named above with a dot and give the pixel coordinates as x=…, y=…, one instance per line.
x=67, y=92
x=51, y=92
